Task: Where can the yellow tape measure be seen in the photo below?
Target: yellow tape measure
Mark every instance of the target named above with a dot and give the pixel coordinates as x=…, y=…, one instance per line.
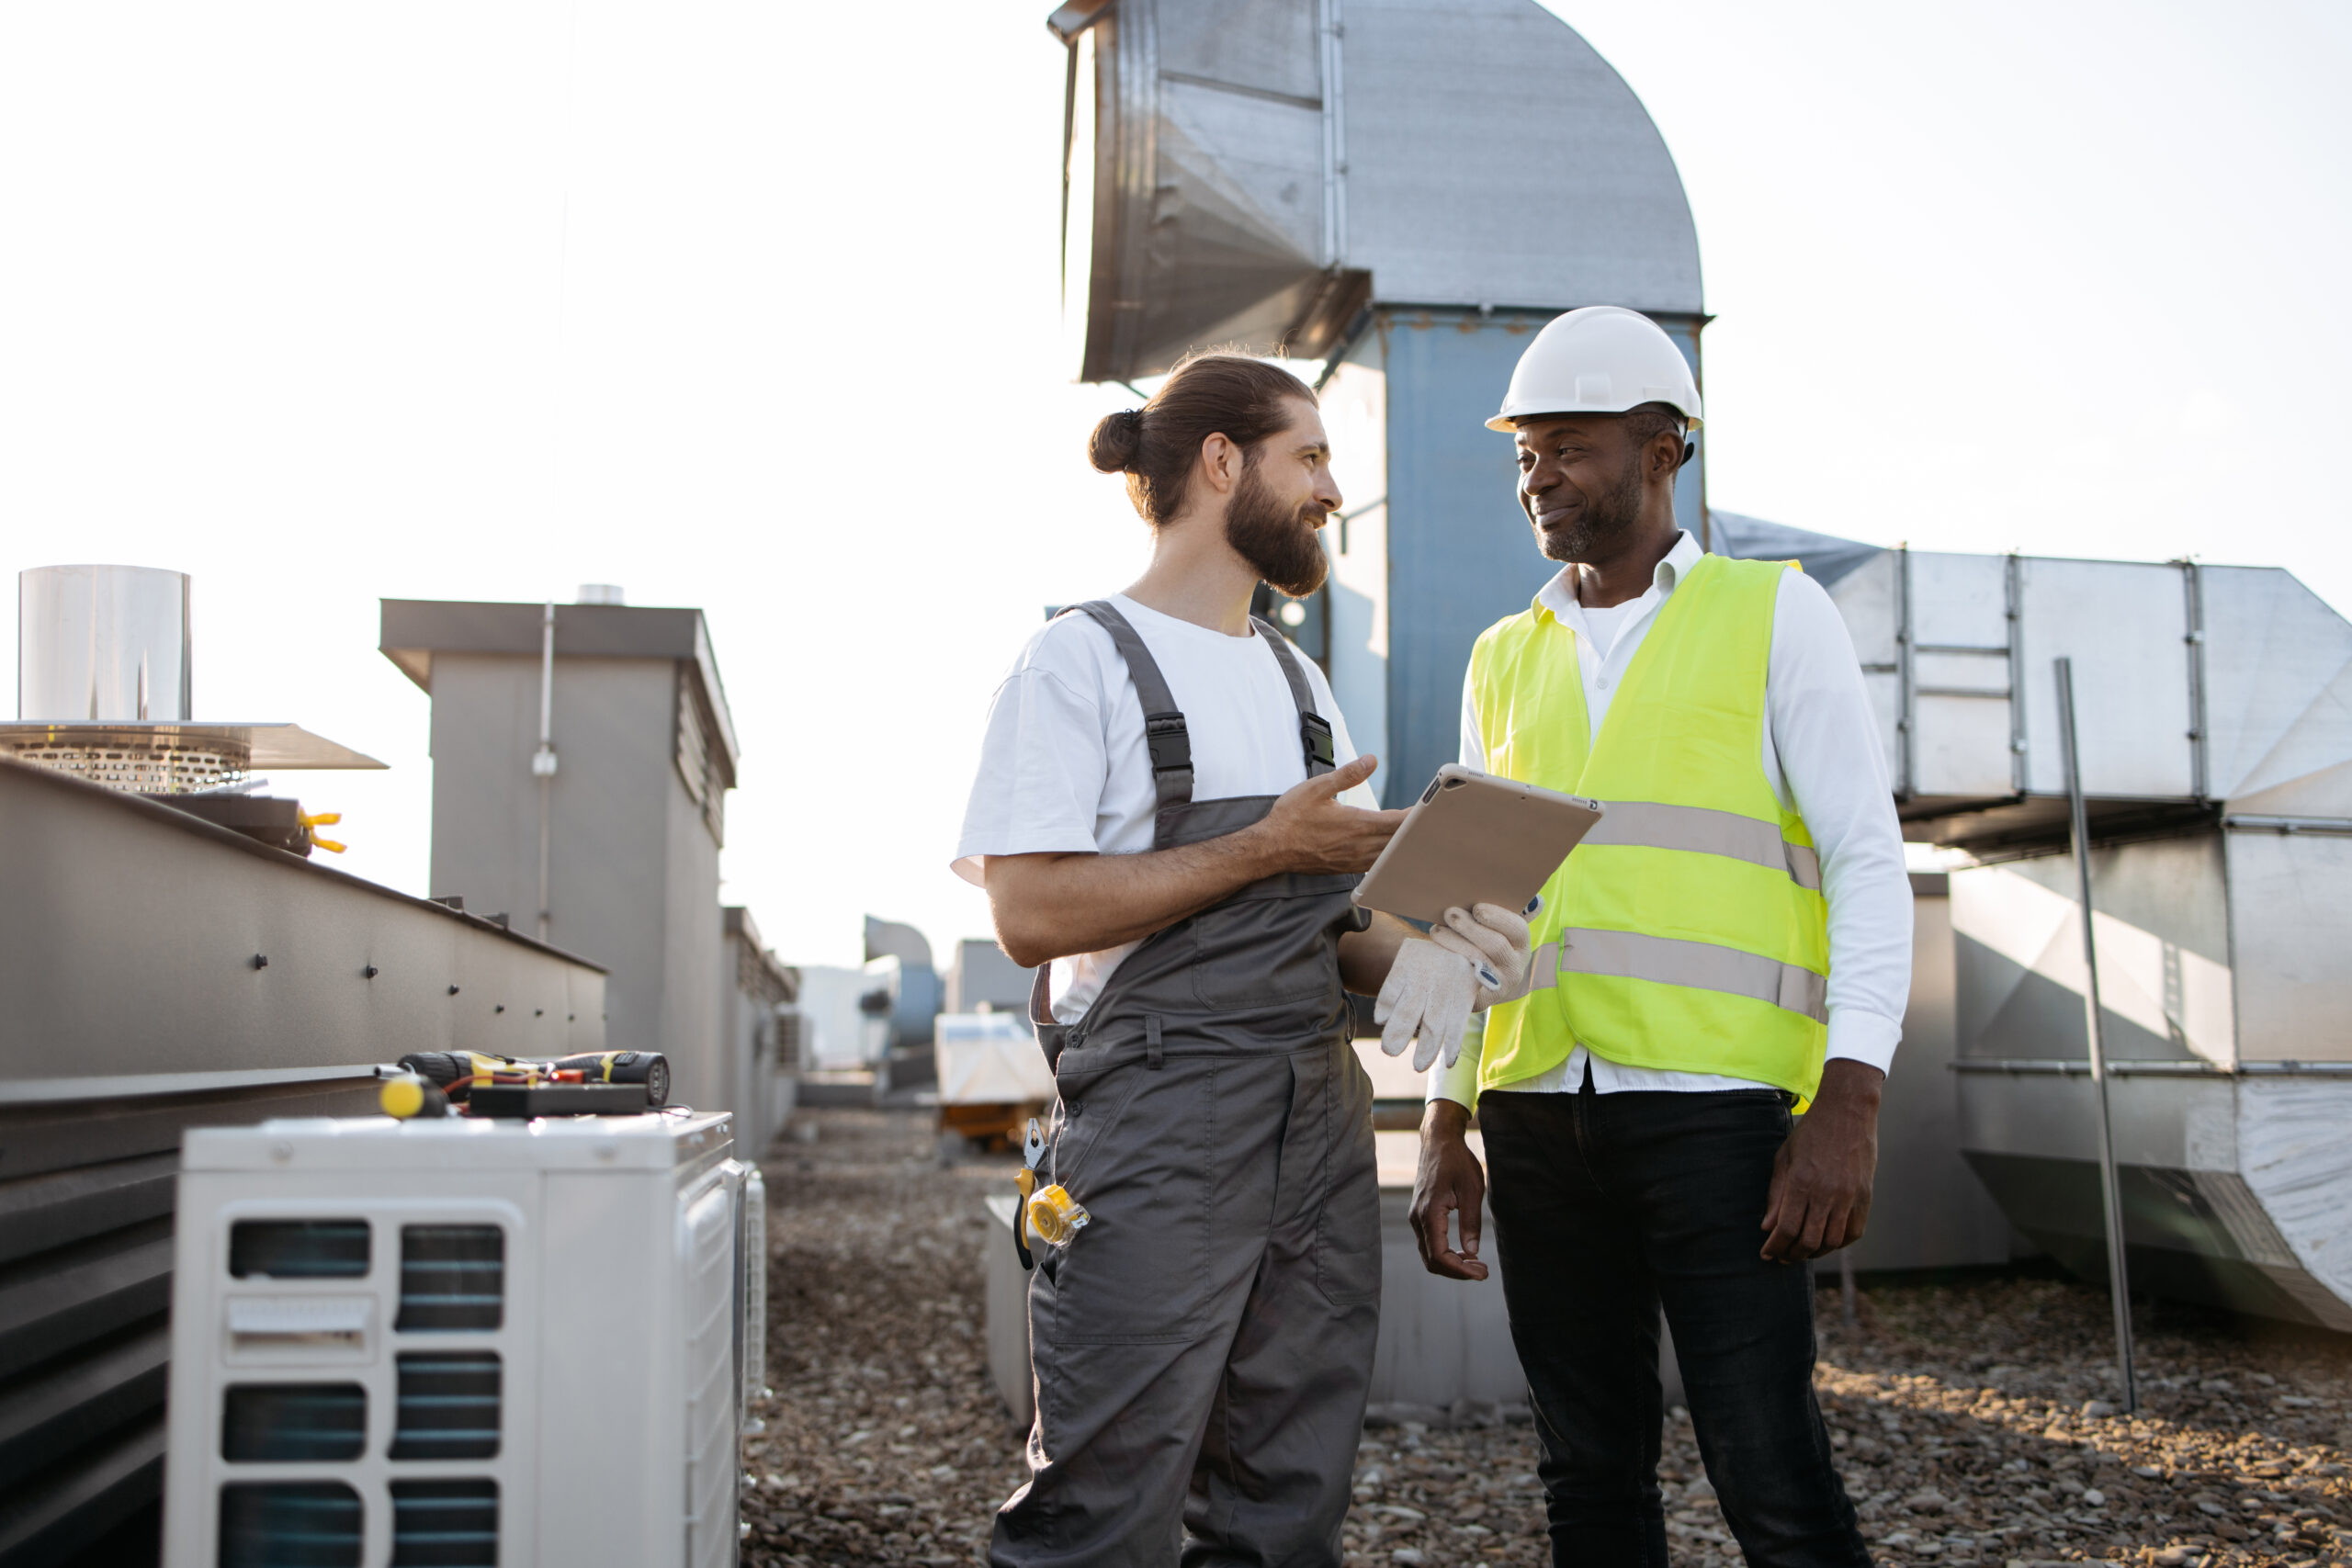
x=1057, y=1217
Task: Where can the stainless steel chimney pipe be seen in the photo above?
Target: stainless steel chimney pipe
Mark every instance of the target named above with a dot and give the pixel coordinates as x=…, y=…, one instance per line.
x=104, y=643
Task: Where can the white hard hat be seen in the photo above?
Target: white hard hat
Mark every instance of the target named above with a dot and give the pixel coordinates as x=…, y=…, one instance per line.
x=1601, y=359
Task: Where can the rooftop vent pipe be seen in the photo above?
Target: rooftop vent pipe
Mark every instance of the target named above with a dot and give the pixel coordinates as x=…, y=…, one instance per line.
x=102, y=642
x=103, y=689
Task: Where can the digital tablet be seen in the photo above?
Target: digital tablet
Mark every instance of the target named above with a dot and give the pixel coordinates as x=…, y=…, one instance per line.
x=1475, y=840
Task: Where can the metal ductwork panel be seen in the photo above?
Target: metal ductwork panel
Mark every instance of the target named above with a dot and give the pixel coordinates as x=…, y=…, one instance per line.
x=1259, y=172
x=2198, y=686
x=2215, y=732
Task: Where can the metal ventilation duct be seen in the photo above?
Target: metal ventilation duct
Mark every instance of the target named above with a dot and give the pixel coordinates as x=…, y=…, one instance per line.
x=2215, y=709
x=1257, y=172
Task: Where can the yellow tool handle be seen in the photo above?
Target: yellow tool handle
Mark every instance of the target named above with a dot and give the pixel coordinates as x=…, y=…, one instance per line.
x=1026, y=1180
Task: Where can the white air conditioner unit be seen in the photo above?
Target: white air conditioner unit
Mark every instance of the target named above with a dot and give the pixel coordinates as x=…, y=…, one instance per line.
x=462, y=1341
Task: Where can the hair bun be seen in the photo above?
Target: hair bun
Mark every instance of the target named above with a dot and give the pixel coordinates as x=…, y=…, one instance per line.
x=1117, y=441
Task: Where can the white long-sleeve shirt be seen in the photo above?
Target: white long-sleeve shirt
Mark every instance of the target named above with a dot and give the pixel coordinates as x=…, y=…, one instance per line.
x=1822, y=756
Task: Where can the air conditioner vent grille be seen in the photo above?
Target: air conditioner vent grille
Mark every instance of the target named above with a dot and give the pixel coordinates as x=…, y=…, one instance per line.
x=289, y=1524
x=449, y=1407
x=445, y=1524
x=453, y=1279
x=298, y=1250
x=293, y=1423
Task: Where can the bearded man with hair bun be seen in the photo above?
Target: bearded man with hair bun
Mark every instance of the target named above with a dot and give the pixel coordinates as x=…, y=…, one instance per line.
x=1170, y=819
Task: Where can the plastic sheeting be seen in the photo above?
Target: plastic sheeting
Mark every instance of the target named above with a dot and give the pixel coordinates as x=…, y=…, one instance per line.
x=989, y=1059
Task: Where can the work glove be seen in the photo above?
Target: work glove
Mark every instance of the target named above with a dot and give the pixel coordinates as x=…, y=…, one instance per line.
x=1427, y=998
x=1497, y=944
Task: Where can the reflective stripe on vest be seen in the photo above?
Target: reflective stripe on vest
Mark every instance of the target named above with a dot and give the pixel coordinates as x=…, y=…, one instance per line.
x=1689, y=930
x=1702, y=965
x=1703, y=831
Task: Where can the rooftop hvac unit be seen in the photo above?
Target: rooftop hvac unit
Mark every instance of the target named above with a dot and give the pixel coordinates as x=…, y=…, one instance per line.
x=462, y=1341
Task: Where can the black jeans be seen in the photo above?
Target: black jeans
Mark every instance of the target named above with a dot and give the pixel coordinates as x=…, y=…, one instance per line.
x=1607, y=1206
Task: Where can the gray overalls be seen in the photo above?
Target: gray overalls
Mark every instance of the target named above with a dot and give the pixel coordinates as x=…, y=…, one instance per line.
x=1202, y=1348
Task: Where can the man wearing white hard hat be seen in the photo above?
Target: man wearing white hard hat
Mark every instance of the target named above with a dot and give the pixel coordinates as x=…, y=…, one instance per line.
x=1678, y=1091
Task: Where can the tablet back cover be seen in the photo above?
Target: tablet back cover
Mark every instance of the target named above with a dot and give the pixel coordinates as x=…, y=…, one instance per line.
x=1475, y=840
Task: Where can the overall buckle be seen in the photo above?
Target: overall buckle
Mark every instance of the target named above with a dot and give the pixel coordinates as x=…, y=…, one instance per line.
x=1169, y=742
x=1315, y=730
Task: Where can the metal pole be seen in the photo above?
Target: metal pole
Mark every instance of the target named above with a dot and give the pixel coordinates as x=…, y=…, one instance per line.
x=543, y=759
x=2118, y=1282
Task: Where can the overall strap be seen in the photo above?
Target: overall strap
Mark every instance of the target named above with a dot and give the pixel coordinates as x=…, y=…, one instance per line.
x=1314, y=730
x=1164, y=734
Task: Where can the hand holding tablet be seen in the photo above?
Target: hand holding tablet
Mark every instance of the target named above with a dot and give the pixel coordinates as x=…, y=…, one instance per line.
x=1474, y=839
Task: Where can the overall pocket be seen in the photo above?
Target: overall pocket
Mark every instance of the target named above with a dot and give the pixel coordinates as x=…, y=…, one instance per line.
x=1347, y=1225
x=1137, y=1153
x=1256, y=952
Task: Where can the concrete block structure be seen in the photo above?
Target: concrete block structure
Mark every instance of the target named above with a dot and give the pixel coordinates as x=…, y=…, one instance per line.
x=582, y=757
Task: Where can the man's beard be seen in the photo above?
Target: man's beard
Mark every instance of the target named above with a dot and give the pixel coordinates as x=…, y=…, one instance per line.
x=1602, y=520
x=1279, y=541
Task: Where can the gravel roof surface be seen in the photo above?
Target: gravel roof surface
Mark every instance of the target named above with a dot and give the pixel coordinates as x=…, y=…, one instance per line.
x=1970, y=1416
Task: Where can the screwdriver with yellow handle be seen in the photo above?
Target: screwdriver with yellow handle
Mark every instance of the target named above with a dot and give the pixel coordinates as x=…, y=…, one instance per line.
x=410, y=1094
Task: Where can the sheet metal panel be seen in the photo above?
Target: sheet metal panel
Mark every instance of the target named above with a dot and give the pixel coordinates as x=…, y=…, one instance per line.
x=2220, y=956
x=130, y=935
x=2293, y=1154
x=1928, y=1210
x=2290, y=927
x=1868, y=599
x=1959, y=674
x=2278, y=683
x=1440, y=215
x=2054, y=1117
x=2166, y=988
x=2124, y=626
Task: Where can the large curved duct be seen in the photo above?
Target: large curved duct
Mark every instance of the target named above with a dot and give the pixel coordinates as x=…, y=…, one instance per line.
x=1259, y=172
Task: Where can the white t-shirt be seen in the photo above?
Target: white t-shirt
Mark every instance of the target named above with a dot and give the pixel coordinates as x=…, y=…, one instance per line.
x=1063, y=765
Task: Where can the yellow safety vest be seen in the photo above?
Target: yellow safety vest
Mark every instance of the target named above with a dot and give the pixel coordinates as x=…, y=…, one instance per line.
x=1688, y=929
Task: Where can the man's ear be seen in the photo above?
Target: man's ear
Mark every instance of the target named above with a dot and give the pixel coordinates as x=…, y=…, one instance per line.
x=1673, y=463
x=1220, y=462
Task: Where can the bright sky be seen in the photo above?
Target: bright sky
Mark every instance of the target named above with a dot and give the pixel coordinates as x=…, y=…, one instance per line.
x=754, y=307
